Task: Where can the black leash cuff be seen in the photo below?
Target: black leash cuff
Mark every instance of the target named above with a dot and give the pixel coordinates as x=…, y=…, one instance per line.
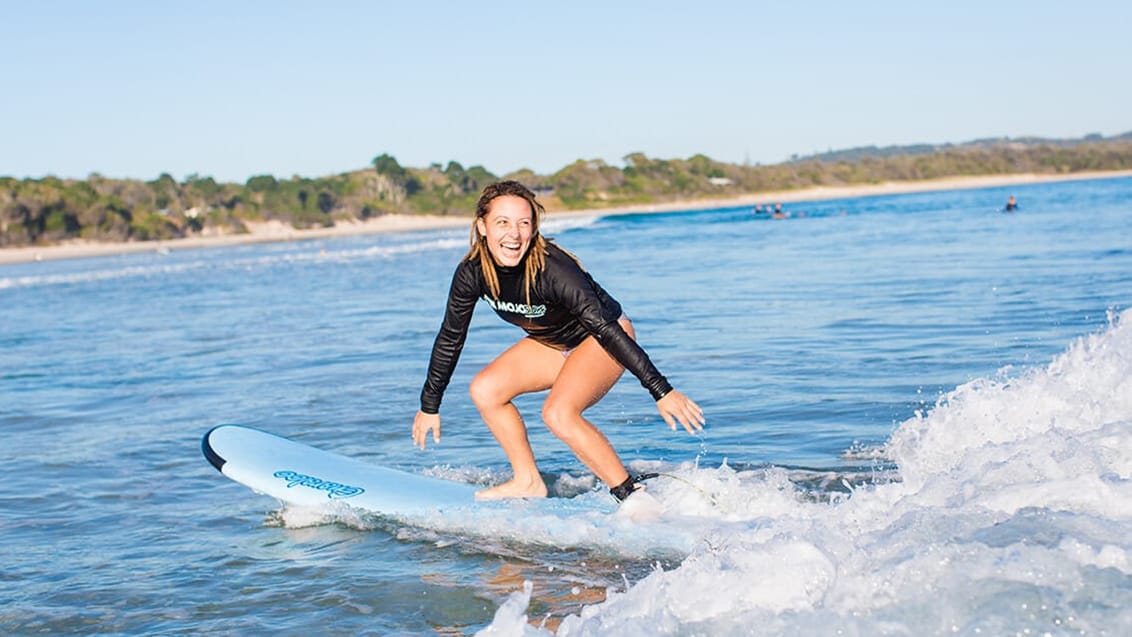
x=623, y=490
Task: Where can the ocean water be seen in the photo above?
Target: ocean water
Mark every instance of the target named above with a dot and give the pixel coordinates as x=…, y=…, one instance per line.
x=919, y=423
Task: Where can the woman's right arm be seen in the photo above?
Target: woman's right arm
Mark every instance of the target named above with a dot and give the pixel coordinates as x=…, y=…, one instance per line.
x=462, y=297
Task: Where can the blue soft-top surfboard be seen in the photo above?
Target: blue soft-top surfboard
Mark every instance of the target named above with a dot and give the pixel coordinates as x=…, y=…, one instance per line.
x=298, y=474
x=302, y=475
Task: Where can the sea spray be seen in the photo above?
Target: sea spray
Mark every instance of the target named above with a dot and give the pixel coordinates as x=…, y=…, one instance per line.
x=1012, y=516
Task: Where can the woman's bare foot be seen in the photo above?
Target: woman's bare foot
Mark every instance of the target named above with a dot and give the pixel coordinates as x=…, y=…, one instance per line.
x=535, y=488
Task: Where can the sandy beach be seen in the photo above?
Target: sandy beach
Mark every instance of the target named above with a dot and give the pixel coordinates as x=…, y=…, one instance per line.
x=276, y=231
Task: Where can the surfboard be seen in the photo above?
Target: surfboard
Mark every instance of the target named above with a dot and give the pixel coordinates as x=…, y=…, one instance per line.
x=301, y=475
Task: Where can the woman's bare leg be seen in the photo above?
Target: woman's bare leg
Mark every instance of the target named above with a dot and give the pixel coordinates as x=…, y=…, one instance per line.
x=588, y=374
x=527, y=366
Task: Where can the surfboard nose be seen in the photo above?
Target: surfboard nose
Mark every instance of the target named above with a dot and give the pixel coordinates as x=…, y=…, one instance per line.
x=210, y=453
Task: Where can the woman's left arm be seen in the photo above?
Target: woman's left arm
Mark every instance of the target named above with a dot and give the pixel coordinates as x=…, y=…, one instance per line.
x=579, y=294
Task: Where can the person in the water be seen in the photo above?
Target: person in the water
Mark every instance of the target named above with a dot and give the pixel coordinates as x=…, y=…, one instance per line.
x=1011, y=204
x=578, y=344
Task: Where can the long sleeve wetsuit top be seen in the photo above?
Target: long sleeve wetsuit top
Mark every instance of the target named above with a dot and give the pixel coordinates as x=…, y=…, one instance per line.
x=566, y=306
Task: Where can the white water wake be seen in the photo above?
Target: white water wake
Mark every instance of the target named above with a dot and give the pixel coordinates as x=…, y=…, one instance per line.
x=1012, y=515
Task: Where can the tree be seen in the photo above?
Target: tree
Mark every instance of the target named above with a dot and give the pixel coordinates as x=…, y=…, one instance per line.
x=387, y=165
x=262, y=183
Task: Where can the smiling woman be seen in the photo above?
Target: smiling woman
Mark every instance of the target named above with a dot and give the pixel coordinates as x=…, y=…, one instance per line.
x=509, y=234
x=578, y=344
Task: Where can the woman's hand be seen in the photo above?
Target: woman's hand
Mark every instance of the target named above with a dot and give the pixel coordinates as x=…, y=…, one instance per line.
x=422, y=424
x=675, y=406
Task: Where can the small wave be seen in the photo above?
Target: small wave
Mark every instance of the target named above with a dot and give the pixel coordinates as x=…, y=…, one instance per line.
x=1043, y=413
x=564, y=223
x=93, y=275
x=1012, y=513
x=322, y=254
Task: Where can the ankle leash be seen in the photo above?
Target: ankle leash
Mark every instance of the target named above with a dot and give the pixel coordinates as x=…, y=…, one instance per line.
x=623, y=490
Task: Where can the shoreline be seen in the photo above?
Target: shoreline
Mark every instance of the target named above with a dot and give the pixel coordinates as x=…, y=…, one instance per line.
x=275, y=231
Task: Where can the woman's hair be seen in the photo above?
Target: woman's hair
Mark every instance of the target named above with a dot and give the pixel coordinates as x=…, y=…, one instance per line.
x=536, y=254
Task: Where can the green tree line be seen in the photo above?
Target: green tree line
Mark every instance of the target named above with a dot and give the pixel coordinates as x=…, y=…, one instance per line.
x=51, y=209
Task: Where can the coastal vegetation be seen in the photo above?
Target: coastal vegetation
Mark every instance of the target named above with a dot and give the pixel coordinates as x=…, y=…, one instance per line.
x=53, y=209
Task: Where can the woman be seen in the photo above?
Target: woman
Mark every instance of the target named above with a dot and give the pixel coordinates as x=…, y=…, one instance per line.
x=578, y=344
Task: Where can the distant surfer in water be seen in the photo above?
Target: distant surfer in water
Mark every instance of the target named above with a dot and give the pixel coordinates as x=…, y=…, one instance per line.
x=1011, y=204
x=578, y=344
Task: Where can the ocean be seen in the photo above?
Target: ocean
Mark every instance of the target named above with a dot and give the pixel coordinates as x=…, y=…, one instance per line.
x=919, y=423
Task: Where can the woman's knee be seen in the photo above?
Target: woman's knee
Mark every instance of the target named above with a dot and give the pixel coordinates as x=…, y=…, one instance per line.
x=486, y=391
x=561, y=419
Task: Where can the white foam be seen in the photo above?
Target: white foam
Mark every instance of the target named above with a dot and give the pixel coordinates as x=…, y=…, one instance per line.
x=510, y=620
x=1013, y=515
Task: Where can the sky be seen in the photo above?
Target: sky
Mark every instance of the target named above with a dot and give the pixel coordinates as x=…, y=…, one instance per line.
x=236, y=89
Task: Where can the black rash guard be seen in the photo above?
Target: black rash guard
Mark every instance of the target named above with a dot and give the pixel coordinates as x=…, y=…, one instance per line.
x=566, y=306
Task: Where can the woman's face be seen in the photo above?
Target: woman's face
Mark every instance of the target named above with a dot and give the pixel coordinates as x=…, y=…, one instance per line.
x=507, y=228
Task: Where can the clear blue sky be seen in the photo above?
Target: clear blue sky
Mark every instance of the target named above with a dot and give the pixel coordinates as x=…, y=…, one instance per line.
x=233, y=89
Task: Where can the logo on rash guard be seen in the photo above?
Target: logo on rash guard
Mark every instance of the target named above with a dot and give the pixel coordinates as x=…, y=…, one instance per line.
x=529, y=311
